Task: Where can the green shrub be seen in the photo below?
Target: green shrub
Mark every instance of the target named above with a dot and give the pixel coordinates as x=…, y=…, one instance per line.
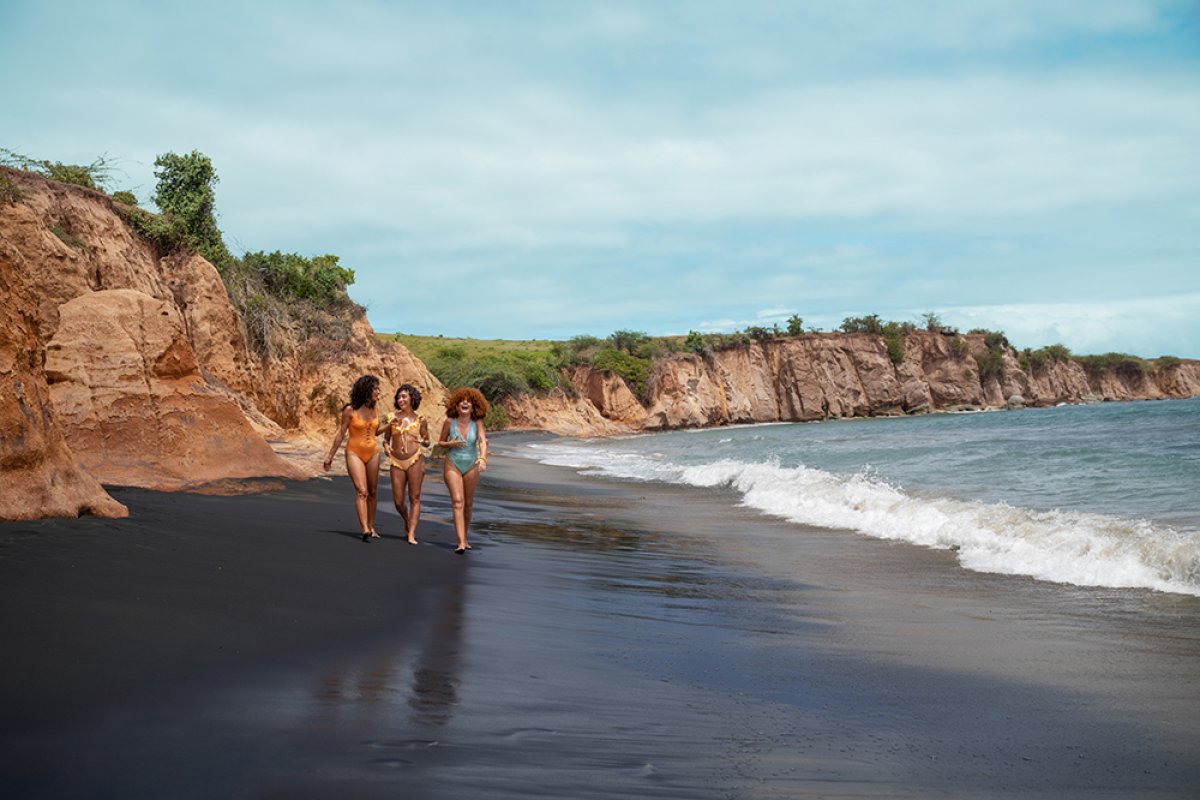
x=991, y=364
x=497, y=417
x=959, y=347
x=868, y=324
x=154, y=228
x=90, y=176
x=496, y=380
x=893, y=334
x=758, y=333
x=1167, y=362
x=318, y=279
x=1123, y=364
x=125, y=198
x=694, y=342
x=993, y=340
x=577, y=351
x=634, y=370
x=1031, y=360
x=795, y=326
x=629, y=341
x=186, y=197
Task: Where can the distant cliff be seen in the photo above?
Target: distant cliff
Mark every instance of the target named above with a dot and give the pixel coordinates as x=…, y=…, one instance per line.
x=121, y=365
x=831, y=375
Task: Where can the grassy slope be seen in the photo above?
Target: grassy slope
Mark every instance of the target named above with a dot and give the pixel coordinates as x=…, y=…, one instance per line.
x=429, y=348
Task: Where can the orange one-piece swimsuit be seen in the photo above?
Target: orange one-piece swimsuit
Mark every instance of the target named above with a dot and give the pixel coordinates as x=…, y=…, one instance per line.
x=362, y=437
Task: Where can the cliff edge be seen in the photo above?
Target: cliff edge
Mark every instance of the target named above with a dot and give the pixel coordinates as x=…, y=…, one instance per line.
x=125, y=366
x=833, y=375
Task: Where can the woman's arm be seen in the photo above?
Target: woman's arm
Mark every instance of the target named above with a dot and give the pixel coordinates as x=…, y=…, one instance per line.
x=444, y=439
x=339, y=436
x=384, y=429
x=481, y=438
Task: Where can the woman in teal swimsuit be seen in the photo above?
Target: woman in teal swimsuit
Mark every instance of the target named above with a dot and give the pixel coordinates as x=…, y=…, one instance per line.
x=465, y=441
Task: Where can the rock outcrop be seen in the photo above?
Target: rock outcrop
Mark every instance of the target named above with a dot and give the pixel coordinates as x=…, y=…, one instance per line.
x=126, y=368
x=833, y=375
x=38, y=471
x=126, y=386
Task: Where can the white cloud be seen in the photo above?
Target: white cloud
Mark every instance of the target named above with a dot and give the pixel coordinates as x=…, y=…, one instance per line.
x=1147, y=327
x=707, y=160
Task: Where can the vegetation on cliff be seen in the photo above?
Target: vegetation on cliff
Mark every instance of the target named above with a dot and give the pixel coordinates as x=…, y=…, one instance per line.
x=514, y=367
x=283, y=298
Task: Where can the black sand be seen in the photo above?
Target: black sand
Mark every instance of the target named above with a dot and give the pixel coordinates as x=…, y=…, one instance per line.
x=601, y=640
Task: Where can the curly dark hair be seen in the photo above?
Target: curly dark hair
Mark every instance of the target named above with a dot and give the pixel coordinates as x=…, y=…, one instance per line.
x=414, y=395
x=360, y=392
x=479, y=404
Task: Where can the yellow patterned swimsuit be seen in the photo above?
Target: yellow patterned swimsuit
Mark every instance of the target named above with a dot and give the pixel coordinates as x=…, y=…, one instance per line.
x=404, y=428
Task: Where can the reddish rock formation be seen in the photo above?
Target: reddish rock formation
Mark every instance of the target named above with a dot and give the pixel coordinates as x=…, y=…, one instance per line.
x=831, y=375
x=151, y=375
x=126, y=387
x=215, y=403
x=37, y=468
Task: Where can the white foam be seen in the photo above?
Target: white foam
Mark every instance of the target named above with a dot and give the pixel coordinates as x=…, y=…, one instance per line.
x=1060, y=546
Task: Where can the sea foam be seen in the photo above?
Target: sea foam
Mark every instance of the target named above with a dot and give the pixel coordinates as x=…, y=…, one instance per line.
x=1071, y=547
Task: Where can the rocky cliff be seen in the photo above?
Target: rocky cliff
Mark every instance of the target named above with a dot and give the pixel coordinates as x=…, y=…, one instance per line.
x=121, y=365
x=831, y=375
x=118, y=365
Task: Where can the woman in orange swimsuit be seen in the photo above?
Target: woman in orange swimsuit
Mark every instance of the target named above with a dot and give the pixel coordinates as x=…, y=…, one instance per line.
x=362, y=451
x=404, y=434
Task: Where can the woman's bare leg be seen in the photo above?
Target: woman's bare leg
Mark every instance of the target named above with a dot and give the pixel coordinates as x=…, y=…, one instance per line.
x=399, y=481
x=470, y=481
x=416, y=477
x=372, y=468
x=362, y=491
x=454, y=485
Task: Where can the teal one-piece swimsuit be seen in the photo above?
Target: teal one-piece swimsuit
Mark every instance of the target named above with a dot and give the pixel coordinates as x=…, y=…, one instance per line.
x=464, y=458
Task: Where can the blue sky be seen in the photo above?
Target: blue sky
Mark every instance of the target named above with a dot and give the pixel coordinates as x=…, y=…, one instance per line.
x=548, y=169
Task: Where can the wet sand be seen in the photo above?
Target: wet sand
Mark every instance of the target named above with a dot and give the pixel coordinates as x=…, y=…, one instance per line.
x=601, y=640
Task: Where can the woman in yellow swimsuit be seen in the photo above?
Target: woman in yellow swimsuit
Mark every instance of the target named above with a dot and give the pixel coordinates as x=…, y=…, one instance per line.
x=404, y=434
x=362, y=451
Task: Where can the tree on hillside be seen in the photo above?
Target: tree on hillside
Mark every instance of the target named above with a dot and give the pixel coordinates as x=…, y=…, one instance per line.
x=186, y=197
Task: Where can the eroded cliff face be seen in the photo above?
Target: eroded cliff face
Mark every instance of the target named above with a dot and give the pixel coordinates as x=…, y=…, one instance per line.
x=123, y=367
x=38, y=471
x=832, y=375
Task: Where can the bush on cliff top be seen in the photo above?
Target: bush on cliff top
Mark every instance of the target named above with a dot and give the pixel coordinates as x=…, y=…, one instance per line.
x=93, y=176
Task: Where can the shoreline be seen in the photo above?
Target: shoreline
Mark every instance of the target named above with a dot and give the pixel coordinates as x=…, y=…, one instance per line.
x=603, y=639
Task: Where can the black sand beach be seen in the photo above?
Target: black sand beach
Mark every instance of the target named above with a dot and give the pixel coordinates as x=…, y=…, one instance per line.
x=601, y=640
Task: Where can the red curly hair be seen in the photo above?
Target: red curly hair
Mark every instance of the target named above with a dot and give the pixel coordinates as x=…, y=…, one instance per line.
x=479, y=404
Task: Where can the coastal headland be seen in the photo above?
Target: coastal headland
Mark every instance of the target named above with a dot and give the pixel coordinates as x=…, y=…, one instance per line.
x=601, y=640
x=126, y=363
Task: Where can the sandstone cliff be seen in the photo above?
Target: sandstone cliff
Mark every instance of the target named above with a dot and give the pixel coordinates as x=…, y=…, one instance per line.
x=831, y=375
x=124, y=367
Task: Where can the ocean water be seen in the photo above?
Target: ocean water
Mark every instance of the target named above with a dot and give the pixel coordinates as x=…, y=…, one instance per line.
x=1093, y=495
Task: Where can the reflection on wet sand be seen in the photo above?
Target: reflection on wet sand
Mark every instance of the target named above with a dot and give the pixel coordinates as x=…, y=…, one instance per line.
x=372, y=686
x=435, y=673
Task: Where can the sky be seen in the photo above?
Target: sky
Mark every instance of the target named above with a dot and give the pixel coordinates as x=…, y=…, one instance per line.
x=551, y=169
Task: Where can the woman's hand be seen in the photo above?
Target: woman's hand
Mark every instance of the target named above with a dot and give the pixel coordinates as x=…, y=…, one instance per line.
x=328, y=463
